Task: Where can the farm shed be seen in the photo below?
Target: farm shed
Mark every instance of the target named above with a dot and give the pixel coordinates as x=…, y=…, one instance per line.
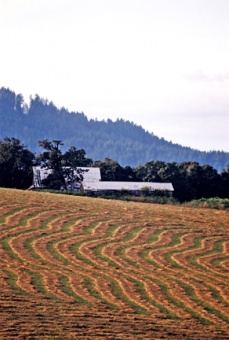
x=133, y=187
x=90, y=175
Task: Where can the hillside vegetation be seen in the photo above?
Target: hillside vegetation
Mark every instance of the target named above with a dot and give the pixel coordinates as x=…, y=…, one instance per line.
x=123, y=141
x=86, y=268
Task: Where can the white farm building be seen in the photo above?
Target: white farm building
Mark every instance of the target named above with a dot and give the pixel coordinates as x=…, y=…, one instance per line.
x=92, y=183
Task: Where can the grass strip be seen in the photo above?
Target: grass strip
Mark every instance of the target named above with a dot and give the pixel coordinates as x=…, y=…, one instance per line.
x=37, y=281
x=131, y=234
x=67, y=289
x=90, y=285
x=9, y=213
x=120, y=295
x=112, y=228
x=217, y=263
x=179, y=303
x=74, y=249
x=11, y=280
x=191, y=293
x=91, y=226
x=218, y=249
x=214, y=292
x=5, y=242
x=52, y=249
x=98, y=252
x=121, y=253
x=140, y=289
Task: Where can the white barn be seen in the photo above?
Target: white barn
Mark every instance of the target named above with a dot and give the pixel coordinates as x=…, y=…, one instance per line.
x=92, y=183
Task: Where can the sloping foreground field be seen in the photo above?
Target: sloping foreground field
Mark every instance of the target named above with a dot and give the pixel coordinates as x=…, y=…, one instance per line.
x=84, y=268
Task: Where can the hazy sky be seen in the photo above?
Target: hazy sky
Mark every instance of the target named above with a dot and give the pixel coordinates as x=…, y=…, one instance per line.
x=163, y=64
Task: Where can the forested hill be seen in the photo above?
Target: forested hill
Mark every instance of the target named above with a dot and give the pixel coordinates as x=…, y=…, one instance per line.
x=121, y=140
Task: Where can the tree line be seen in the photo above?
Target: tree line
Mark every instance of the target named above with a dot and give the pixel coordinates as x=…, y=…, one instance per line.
x=190, y=179
x=124, y=141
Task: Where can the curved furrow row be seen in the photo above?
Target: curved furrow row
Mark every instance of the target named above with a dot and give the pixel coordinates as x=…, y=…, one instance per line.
x=224, y=263
x=24, y=281
x=110, y=251
x=133, y=254
x=6, y=211
x=22, y=222
x=125, y=290
x=99, y=286
x=17, y=241
x=106, y=293
x=199, y=304
x=78, y=286
x=153, y=293
x=5, y=256
x=11, y=281
x=210, y=302
x=178, y=299
x=159, y=254
x=191, y=306
x=216, y=251
x=101, y=228
x=20, y=217
x=172, y=297
x=213, y=286
x=86, y=249
x=159, y=247
x=50, y=230
x=48, y=283
x=126, y=299
x=57, y=283
x=33, y=226
x=216, y=264
x=221, y=261
x=199, y=290
x=157, y=293
x=46, y=254
x=141, y=253
x=122, y=231
x=181, y=291
x=187, y=259
x=140, y=303
x=155, y=303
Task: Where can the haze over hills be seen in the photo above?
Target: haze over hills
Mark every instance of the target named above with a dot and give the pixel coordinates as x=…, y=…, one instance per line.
x=120, y=140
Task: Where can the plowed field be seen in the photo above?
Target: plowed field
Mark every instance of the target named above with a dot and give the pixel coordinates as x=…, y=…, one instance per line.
x=86, y=268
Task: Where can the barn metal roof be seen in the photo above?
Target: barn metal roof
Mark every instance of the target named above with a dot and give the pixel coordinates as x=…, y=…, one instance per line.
x=131, y=186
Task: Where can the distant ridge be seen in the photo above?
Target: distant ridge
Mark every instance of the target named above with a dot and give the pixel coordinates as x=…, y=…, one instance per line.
x=120, y=140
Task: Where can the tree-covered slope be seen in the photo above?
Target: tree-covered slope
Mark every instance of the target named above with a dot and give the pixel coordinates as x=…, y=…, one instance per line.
x=121, y=140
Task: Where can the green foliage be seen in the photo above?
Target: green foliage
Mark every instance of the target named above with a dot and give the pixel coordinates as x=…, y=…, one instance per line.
x=15, y=164
x=214, y=203
x=64, y=166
